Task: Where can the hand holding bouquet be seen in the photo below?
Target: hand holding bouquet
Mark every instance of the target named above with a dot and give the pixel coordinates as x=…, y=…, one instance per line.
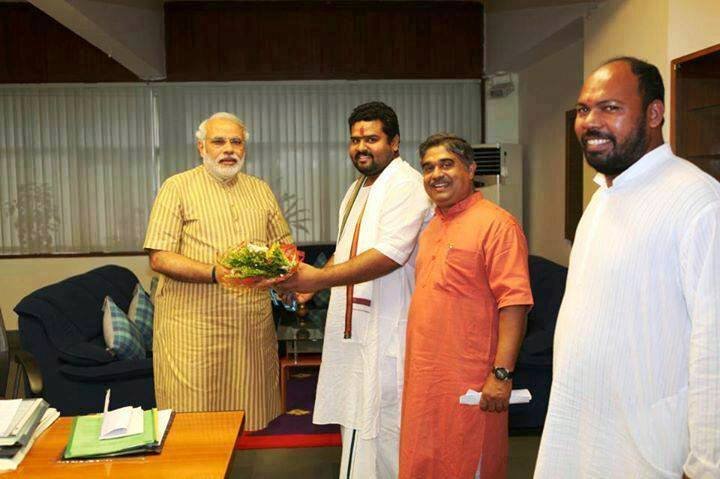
x=250, y=263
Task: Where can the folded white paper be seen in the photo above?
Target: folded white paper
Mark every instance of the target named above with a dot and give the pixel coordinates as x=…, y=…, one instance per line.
x=517, y=396
x=125, y=421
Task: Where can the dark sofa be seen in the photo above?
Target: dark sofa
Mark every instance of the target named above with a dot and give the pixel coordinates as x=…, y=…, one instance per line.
x=533, y=370
x=61, y=327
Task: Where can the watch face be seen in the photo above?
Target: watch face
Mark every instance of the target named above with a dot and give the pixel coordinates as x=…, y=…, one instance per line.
x=500, y=373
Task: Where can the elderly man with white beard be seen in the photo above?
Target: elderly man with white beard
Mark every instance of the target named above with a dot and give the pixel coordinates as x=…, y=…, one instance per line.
x=213, y=349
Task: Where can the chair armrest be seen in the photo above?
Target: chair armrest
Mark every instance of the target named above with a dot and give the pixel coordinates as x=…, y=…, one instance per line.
x=29, y=366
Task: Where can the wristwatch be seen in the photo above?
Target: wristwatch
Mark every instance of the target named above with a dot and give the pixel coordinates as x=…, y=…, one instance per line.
x=502, y=374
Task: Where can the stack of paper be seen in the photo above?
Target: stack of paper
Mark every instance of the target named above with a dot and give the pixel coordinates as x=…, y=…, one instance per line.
x=117, y=434
x=18, y=420
x=23, y=441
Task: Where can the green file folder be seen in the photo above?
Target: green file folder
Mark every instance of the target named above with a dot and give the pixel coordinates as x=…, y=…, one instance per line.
x=85, y=443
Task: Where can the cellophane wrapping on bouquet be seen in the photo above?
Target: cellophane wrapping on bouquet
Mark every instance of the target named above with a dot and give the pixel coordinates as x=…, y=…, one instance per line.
x=250, y=263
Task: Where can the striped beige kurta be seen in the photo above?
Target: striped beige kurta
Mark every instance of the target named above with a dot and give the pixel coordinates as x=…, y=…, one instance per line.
x=214, y=349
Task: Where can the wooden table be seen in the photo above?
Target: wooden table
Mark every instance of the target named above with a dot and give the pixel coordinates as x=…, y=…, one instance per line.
x=199, y=445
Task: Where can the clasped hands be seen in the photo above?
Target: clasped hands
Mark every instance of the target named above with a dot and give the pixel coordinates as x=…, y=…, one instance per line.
x=300, y=285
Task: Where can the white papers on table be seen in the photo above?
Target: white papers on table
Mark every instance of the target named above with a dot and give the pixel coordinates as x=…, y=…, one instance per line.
x=517, y=396
x=8, y=411
x=125, y=421
x=48, y=418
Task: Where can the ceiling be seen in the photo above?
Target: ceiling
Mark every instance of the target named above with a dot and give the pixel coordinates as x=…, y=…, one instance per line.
x=521, y=32
x=518, y=32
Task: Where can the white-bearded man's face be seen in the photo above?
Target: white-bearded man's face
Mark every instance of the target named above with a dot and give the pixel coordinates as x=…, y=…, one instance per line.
x=224, y=166
x=223, y=149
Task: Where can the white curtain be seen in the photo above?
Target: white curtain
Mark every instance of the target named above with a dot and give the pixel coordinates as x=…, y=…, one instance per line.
x=81, y=164
x=77, y=168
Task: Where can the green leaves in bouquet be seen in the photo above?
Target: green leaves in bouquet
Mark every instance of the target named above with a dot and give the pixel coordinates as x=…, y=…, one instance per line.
x=248, y=262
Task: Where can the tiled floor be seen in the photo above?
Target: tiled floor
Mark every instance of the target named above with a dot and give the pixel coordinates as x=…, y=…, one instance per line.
x=324, y=462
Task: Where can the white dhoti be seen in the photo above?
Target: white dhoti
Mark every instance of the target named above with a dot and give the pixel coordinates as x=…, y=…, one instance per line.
x=376, y=458
x=361, y=378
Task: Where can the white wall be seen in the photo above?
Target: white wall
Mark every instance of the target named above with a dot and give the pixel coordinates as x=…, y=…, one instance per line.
x=693, y=25
x=501, y=116
x=548, y=89
x=20, y=277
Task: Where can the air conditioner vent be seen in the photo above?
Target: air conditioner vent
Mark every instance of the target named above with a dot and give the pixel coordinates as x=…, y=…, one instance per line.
x=487, y=160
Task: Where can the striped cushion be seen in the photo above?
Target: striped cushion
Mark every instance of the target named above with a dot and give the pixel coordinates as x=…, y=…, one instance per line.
x=122, y=337
x=141, y=313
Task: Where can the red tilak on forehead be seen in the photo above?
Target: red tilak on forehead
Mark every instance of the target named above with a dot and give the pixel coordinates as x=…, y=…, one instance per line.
x=362, y=131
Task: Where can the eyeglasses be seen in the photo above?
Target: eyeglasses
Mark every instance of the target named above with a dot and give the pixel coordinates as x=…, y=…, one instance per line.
x=221, y=140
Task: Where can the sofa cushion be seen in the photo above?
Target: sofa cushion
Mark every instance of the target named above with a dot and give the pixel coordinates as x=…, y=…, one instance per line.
x=141, y=313
x=134, y=368
x=122, y=337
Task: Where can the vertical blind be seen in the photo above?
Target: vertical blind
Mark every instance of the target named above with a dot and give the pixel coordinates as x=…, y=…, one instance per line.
x=77, y=167
x=82, y=163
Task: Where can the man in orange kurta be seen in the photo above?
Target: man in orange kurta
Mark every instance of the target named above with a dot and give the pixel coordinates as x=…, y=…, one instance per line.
x=465, y=325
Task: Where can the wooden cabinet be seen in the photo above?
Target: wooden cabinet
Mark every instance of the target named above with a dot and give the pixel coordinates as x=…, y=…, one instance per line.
x=695, y=129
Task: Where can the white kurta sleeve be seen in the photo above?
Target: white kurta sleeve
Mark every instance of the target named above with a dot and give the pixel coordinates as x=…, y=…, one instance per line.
x=700, y=260
x=404, y=210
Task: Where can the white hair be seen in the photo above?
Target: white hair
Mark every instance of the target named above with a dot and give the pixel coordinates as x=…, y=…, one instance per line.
x=201, y=133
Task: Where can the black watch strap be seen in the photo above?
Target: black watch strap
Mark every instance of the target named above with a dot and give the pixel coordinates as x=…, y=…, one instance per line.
x=502, y=374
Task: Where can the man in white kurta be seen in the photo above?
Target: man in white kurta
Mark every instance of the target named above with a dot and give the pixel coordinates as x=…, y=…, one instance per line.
x=636, y=372
x=360, y=382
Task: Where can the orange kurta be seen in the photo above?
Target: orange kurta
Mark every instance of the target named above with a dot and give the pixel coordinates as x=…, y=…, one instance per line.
x=472, y=261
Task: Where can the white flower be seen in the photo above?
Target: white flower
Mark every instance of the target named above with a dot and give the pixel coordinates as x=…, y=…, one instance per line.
x=257, y=248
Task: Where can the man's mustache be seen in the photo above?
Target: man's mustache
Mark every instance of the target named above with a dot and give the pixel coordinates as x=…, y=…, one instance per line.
x=363, y=153
x=227, y=157
x=442, y=179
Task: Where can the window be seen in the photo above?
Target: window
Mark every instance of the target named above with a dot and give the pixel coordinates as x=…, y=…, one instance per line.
x=83, y=163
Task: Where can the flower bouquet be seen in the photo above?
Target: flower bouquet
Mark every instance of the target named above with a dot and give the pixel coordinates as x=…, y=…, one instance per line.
x=250, y=263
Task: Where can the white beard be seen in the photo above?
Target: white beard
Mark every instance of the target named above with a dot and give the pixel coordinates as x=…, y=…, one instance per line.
x=223, y=172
